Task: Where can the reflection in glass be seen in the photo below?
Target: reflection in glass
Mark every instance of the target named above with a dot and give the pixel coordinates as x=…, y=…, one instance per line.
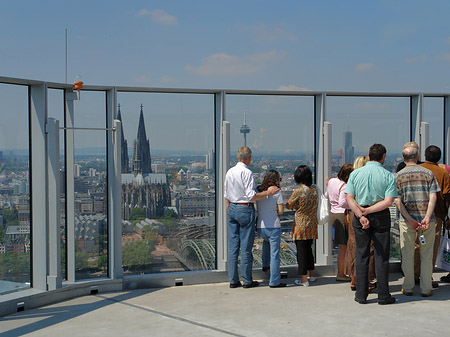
x=433, y=114
x=168, y=182
x=15, y=221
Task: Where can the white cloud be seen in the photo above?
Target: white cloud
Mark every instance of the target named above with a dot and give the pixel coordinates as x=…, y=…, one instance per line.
x=364, y=66
x=262, y=32
x=292, y=87
x=416, y=59
x=142, y=79
x=221, y=64
x=444, y=57
x=159, y=16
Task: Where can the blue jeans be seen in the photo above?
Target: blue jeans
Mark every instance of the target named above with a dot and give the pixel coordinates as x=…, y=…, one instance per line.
x=241, y=234
x=271, y=252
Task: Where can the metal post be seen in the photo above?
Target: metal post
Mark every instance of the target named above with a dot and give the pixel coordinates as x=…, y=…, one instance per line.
x=54, y=279
x=446, y=150
x=70, y=185
x=324, y=255
x=416, y=109
x=424, y=139
x=38, y=118
x=114, y=143
x=222, y=163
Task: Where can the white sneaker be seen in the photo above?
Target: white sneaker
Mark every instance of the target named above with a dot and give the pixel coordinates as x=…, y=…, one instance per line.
x=312, y=279
x=300, y=283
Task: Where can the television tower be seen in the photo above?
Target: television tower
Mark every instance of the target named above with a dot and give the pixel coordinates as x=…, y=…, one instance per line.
x=244, y=128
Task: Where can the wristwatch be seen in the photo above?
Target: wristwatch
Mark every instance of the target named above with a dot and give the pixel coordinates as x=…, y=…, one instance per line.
x=360, y=216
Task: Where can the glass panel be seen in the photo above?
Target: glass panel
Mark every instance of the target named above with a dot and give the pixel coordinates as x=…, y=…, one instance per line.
x=15, y=224
x=280, y=132
x=359, y=122
x=433, y=114
x=168, y=182
x=56, y=110
x=90, y=178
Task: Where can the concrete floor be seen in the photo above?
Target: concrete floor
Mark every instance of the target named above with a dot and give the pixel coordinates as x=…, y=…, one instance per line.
x=326, y=308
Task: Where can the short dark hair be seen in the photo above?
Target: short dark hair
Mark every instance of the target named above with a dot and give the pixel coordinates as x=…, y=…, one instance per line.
x=303, y=175
x=433, y=154
x=344, y=172
x=376, y=152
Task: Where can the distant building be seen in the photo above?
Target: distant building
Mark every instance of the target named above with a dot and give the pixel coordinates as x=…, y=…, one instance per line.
x=141, y=157
x=210, y=160
x=142, y=188
x=124, y=159
x=77, y=170
x=87, y=230
x=349, y=150
x=195, y=203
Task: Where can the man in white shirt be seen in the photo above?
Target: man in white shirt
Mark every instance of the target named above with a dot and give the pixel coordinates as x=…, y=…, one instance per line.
x=240, y=195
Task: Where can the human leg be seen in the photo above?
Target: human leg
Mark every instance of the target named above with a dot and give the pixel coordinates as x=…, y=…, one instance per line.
x=247, y=237
x=275, y=236
x=302, y=247
x=426, y=259
x=265, y=257
x=407, y=243
x=341, y=237
x=233, y=245
x=362, y=237
x=381, y=223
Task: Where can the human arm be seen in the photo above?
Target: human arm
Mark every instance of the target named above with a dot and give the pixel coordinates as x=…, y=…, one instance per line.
x=343, y=199
x=293, y=200
x=280, y=209
x=357, y=210
x=425, y=223
x=379, y=206
x=401, y=207
x=227, y=203
x=261, y=195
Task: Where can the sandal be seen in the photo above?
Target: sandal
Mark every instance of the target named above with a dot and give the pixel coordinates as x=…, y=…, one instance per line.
x=353, y=287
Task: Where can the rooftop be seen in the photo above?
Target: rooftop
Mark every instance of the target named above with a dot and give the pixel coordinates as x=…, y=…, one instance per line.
x=324, y=309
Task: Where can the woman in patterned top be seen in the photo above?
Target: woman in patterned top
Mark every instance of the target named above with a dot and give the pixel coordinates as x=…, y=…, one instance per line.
x=304, y=200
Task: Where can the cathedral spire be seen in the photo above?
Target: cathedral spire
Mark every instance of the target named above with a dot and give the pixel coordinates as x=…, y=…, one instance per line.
x=141, y=157
x=124, y=157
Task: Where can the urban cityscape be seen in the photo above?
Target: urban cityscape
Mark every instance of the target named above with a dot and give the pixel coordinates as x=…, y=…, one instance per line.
x=168, y=208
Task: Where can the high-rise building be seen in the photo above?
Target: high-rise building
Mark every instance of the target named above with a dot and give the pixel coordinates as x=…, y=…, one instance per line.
x=210, y=160
x=245, y=128
x=124, y=159
x=142, y=161
x=77, y=172
x=349, y=150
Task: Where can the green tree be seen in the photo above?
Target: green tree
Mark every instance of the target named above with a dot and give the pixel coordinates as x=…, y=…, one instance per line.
x=137, y=214
x=102, y=262
x=81, y=260
x=137, y=254
x=10, y=215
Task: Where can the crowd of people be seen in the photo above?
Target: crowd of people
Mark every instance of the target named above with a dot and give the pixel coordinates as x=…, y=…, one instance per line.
x=359, y=197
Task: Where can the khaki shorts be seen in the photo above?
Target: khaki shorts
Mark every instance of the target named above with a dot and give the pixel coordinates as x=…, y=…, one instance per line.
x=338, y=221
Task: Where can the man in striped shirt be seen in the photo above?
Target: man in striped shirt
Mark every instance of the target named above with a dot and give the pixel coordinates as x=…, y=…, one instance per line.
x=417, y=189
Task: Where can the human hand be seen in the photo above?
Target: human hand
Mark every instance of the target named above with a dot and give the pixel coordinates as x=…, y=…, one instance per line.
x=425, y=223
x=273, y=189
x=365, y=223
x=414, y=224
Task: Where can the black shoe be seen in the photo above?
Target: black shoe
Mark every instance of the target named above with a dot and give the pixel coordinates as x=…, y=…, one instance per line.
x=279, y=285
x=265, y=268
x=360, y=300
x=251, y=285
x=427, y=294
x=446, y=278
x=389, y=300
x=434, y=284
x=235, y=285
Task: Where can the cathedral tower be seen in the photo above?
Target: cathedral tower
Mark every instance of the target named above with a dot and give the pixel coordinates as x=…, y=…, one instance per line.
x=142, y=162
x=124, y=160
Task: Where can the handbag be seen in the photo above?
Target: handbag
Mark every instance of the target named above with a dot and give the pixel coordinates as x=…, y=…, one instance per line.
x=323, y=208
x=443, y=257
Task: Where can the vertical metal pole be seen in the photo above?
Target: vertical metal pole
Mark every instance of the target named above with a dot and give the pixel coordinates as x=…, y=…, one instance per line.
x=222, y=163
x=54, y=278
x=446, y=150
x=424, y=138
x=38, y=162
x=114, y=144
x=323, y=139
x=416, y=107
x=70, y=186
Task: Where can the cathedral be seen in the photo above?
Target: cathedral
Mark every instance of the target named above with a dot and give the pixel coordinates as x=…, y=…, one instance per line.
x=140, y=187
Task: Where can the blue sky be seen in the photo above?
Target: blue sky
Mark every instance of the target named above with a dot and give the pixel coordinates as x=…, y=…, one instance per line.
x=297, y=45
x=326, y=45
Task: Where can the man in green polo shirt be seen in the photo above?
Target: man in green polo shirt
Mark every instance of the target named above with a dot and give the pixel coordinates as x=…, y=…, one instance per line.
x=370, y=192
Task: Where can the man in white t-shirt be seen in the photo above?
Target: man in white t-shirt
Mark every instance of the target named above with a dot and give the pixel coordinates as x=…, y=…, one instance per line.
x=240, y=196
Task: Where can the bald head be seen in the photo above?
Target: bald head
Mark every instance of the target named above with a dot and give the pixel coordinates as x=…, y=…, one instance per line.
x=410, y=154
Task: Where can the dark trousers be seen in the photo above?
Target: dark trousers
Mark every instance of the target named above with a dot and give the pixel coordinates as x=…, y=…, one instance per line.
x=378, y=232
x=305, y=258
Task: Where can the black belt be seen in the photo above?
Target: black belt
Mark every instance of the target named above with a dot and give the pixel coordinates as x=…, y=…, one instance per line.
x=243, y=203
